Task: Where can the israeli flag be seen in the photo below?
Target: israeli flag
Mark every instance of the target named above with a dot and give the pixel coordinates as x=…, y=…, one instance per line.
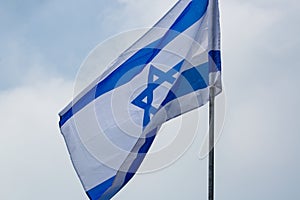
x=111, y=125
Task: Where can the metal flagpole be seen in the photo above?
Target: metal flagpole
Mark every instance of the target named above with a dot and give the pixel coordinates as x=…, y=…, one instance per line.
x=211, y=143
x=211, y=157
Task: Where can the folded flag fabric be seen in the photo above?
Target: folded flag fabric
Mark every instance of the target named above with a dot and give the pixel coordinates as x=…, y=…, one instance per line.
x=110, y=126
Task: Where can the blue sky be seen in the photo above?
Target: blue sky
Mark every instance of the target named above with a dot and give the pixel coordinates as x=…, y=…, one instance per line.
x=43, y=44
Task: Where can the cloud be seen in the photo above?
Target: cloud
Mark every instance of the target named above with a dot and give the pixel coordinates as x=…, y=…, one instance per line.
x=35, y=162
x=256, y=154
x=136, y=14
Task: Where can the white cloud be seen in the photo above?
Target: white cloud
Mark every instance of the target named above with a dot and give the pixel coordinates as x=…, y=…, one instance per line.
x=143, y=13
x=35, y=162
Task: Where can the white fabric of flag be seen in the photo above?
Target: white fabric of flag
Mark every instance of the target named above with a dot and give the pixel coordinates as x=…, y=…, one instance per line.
x=111, y=125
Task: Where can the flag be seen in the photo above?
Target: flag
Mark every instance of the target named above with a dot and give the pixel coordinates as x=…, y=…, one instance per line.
x=110, y=126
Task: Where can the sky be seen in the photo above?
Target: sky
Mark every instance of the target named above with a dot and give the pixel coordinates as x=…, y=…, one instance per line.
x=43, y=44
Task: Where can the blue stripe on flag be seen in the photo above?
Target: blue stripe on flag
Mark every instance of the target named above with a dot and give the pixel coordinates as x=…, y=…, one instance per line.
x=135, y=64
x=216, y=58
x=140, y=156
x=133, y=167
x=96, y=192
x=189, y=81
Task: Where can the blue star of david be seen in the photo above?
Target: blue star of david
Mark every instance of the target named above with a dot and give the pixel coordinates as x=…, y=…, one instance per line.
x=156, y=77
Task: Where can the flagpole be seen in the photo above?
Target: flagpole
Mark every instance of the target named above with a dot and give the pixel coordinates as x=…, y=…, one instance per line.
x=211, y=158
